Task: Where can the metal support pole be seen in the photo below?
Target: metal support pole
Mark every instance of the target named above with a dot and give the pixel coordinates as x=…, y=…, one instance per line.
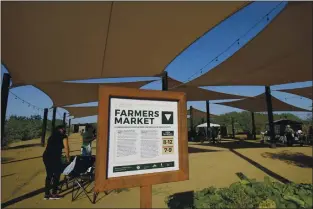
x=69, y=127
x=233, y=127
x=191, y=121
x=4, y=102
x=164, y=81
x=208, y=119
x=53, y=119
x=312, y=114
x=270, y=115
x=44, y=127
x=253, y=126
x=64, y=117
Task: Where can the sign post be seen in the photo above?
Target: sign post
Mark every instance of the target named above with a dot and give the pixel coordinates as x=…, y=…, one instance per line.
x=142, y=140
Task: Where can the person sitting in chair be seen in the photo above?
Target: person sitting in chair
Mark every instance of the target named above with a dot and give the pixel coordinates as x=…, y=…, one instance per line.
x=52, y=160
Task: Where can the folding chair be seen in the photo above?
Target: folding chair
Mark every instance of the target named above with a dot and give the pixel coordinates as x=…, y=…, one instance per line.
x=81, y=176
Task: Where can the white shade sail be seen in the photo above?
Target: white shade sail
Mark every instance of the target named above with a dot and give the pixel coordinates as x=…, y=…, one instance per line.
x=304, y=92
x=62, y=93
x=281, y=53
x=258, y=104
x=198, y=94
x=60, y=41
x=79, y=112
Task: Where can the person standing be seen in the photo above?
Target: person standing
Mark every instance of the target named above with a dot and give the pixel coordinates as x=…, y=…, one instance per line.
x=88, y=137
x=53, y=163
x=289, y=133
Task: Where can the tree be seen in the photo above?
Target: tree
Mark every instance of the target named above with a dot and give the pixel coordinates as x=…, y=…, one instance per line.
x=25, y=128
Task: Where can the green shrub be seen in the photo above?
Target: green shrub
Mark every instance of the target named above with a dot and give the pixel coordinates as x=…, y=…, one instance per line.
x=249, y=194
x=25, y=128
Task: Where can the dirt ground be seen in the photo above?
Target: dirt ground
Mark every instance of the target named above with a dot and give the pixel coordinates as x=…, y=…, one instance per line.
x=23, y=172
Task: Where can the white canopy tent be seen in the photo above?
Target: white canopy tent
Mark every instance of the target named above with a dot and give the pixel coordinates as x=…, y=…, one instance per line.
x=206, y=125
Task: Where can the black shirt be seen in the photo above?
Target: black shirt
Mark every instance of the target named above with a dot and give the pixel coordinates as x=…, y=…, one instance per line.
x=55, y=145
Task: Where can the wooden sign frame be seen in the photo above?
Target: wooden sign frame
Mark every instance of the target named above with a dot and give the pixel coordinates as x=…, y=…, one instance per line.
x=102, y=182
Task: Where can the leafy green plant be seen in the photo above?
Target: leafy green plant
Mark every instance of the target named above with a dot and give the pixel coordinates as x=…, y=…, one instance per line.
x=249, y=193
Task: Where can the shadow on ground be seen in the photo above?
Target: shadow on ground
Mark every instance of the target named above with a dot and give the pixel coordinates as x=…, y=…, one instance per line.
x=292, y=158
x=262, y=168
x=199, y=150
x=24, y=146
x=11, y=160
x=7, y=175
x=238, y=144
x=181, y=200
x=6, y=159
x=64, y=192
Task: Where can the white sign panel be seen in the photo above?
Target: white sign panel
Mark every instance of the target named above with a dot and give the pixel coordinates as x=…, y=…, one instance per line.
x=143, y=137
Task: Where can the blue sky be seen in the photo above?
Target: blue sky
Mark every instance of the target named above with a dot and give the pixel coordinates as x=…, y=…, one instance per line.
x=244, y=25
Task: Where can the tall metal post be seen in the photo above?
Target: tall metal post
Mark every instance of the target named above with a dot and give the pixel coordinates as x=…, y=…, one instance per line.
x=64, y=117
x=208, y=119
x=270, y=115
x=233, y=127
x=253, y=126
x=312, y=114
x=4, y=102
x=69, y=127
x=164, y=81
x=44, y=127
x=53, y=119
x=191, y=121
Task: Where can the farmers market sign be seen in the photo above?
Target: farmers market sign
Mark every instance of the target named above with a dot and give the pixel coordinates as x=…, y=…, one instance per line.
x=142, y=138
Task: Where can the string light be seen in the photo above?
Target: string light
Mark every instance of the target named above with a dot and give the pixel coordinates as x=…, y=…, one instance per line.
x=24, y=101
x=229, y=47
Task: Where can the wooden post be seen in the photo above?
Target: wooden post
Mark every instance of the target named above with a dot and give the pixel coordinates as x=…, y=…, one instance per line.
x=253, y=126
x=164, y=81
x=270, y=115
x=208, y=119
x=64, y=117
x=4, y=102
x=233, y=127
x=44, y=127
x=191, y=121
x=146, y=196
x=69, y=127
x=53, y=119
x=146, y=191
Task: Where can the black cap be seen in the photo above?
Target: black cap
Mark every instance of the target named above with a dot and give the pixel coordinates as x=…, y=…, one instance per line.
x=59, y=127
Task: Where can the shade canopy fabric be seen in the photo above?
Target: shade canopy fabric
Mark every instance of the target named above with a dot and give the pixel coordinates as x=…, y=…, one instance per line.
x=62, y=93
x=79, y=112
x=198, y=94
x=304, y=92
x=198, y=113
x=258, y=104
x=281, y=53
x=61, y=41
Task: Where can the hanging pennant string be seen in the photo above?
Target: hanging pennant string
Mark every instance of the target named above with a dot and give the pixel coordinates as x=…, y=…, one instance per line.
x=237, y=42
x=34, y=107
x=293, y=97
